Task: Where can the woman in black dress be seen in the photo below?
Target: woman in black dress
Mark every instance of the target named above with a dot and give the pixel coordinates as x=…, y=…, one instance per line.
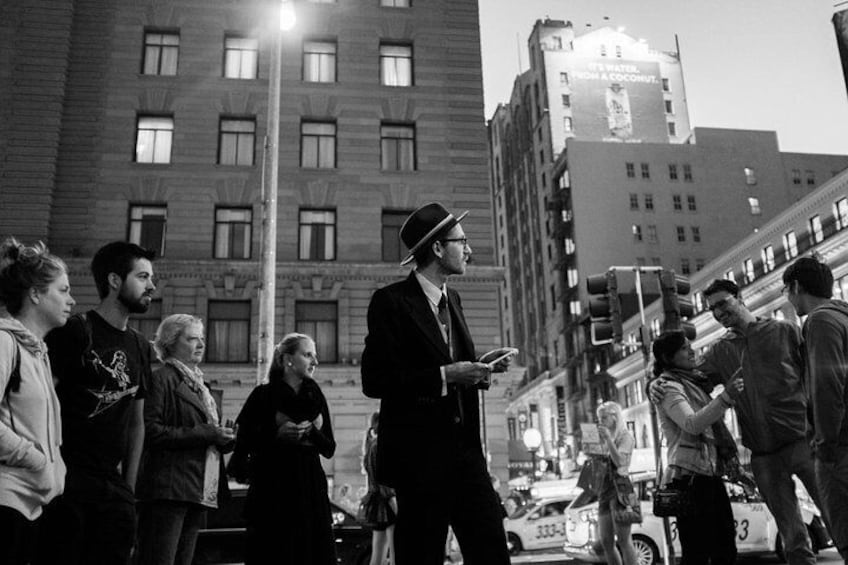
x=282, y=429
x=379, y=503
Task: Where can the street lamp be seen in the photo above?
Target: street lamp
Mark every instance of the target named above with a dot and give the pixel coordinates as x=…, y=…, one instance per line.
x=532, y=441
x=270, y=181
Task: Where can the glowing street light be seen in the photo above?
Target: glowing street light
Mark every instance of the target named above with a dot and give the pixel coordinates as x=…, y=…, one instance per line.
x=532, y=439
x=270, y=174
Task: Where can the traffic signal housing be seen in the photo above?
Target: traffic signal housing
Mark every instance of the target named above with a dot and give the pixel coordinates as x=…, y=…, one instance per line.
x=676, y=305
x=604, y=308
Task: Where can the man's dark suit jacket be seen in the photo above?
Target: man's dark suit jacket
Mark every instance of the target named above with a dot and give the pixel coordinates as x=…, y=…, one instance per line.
x=404, y=350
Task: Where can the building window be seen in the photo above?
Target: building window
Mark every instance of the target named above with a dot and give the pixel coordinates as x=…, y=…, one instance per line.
x=811, y=177
x=566, y=101
x=637, y=232
x=646, y=171
x=640, y=261
x=730, y=275
x=241, y=57
x=768, y=258
x=541, y=156
x=572, y=277
x=154, y=135
x=690, y=202
x=681, y=233
x=816, y=232
x=687, y=172
x=656, y=261
x=790, y=245
x=319, y=61
x=665, y=85
x=748, y=270
x=634, y=201
x=652, y=234
x=228, y=331
x=320, y=321
x=685, y=267
x=567, y=124
x=672, y=129
x=699, y=264
x=557, y=42
x=318, y=145
x=233, y=232
x=649, y=202
x=397, y=147
x=161, y=51
x=631, y=170
x=754, y=203
x=669, y=106
x=677, y=202
x=236, y=141
x=840, y=213
x=146, y=323
x=796, y=177
x=672, y=171
x=696, y=234
x=563, y=78
x=394, y=250
x=395, y=64
x=147, y=227
x=750, y=176
x=395, y=3
x=317, y=235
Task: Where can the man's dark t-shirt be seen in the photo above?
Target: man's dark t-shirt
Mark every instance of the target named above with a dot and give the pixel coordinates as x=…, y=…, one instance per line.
x=96, y=386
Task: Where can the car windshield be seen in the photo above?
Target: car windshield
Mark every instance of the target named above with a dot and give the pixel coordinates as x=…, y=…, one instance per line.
x=524, y=510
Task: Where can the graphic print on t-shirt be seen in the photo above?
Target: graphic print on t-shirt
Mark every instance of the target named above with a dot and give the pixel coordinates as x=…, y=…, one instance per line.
x=116, y=381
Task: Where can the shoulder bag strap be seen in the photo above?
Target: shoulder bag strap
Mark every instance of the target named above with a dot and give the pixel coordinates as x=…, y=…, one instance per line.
x=14, y=384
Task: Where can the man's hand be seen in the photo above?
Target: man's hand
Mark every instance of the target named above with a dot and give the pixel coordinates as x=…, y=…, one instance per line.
x=467, y=373
x=656, y=390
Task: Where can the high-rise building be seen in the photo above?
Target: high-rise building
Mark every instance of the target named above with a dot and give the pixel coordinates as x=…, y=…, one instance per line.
x=145, y=120
x=594, y=164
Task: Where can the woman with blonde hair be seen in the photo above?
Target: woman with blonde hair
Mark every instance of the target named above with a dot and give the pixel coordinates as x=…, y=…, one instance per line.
x=617, y=443
x=36, y=294
x=181, y=474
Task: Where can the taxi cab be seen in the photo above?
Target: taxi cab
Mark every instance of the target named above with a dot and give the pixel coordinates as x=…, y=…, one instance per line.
x=756, y=530
x=539, y=524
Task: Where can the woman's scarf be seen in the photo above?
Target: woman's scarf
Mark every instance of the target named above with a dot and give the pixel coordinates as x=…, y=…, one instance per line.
x=297, y=406
x=697, y=388
x=194, y=380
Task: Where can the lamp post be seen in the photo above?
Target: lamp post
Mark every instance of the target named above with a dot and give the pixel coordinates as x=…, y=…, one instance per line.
x=532, y=440
x=270, y=181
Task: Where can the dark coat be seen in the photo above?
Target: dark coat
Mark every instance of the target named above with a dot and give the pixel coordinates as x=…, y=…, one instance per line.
x=287, y=509
x=404, y=351
x=177, y=432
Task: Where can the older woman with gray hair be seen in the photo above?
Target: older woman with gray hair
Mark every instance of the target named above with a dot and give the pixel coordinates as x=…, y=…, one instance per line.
x=181, y=472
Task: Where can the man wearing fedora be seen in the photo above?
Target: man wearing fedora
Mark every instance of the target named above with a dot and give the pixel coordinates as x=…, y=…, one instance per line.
x=419, y=359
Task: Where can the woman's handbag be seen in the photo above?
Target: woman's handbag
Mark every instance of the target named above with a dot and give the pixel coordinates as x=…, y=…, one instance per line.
x=673, y=499
x=627, y=509
x=592, y=475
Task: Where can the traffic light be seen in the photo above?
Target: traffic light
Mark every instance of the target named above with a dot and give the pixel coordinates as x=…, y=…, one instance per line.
x=604, y=308
x=676, y=305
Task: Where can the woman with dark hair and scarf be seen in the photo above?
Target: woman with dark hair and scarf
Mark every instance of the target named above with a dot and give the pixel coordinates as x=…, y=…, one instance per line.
x=282, y=429
x=700, y=450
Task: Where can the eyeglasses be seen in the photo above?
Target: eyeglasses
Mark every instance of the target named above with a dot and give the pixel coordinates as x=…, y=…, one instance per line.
x=720, y=305
x=461, y=240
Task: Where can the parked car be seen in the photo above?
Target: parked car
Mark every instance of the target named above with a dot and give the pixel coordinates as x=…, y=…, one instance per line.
x=756, y=531
x=222, y=538
x=539, y=524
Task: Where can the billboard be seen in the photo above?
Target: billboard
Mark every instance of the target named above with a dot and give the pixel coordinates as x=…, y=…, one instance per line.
x=617, y=100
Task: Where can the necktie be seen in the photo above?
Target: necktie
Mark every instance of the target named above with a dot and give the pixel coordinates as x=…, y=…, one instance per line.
x=444, y=319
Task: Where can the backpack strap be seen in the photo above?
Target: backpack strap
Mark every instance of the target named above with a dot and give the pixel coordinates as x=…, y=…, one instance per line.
x=13, y=384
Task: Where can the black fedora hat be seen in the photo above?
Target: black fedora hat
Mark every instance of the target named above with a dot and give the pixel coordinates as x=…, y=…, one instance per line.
x=424, y=224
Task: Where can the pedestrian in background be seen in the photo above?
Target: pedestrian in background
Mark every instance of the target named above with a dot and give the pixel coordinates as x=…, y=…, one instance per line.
x=283, y=428
x=808, y=284
x=700, y=448
x=419, y=360
x=181, y=473
x=101, y=365
x=36, y=294
x=379, y=503
x=617, y=443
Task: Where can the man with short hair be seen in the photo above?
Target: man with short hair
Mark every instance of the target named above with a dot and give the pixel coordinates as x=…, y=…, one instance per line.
x=808, y=284
x=419, y=359
x=100, y=366
x=771, y=409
